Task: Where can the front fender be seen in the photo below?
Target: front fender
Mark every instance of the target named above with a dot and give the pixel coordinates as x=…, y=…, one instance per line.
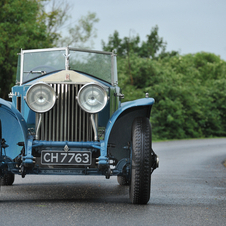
x=114, y=134
x=14, y=128
x=144, y=102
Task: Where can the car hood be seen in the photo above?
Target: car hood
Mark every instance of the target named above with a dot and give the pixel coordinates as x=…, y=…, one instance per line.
x=65, y=76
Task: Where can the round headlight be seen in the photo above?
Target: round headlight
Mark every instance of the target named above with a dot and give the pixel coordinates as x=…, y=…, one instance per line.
x=40, y=97
x=92, y=98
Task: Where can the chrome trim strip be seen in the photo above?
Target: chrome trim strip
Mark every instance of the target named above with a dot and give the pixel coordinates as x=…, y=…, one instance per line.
x=38, y=126
x=44, y=50
x=53, y=135
x=62, y=112
x=58, y=113
x=65, y=112
x=21, y=66
x=69, y=118
x=73, y=112
x=94, y=127
x=76, y=114
x=80, y=123
x=90, y=51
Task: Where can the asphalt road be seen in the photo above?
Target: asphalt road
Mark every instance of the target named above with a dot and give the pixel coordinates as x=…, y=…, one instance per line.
x=189, y=188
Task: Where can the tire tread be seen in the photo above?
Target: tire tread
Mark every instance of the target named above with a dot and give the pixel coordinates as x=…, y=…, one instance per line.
x=141, y=171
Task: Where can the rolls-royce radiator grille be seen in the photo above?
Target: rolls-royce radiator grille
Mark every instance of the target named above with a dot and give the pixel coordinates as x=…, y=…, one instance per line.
x=66, y=120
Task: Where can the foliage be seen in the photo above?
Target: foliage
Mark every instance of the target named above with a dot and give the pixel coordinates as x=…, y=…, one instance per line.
x=122, y=46
x=21, y=26
x=81, y=33
x=26, y=24
x=189, y=93
x=154, y=47
x=55, y=17
x=189, y=90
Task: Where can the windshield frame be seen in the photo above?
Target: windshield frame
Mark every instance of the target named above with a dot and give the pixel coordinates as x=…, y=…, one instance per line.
x=114, y=78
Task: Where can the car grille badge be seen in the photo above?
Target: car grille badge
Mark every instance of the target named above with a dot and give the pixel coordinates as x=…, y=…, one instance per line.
x=66, y=148
x=67, y=78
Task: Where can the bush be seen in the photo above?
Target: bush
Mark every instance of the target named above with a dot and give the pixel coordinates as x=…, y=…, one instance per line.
x=189, y=92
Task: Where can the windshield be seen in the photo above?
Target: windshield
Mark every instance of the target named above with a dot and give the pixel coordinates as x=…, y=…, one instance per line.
x=39, y=62
x=98, y=65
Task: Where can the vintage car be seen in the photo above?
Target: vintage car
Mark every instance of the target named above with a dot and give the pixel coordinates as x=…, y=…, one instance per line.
x=66, y=118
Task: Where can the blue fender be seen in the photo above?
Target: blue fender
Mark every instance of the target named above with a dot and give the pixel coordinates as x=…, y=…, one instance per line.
x=125, y=106
x=14, y=128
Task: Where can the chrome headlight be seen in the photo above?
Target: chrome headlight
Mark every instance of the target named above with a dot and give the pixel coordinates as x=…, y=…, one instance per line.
x=40, y=97
x=92, y=98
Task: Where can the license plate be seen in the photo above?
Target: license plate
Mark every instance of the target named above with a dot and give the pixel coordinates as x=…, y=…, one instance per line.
x=66, y=158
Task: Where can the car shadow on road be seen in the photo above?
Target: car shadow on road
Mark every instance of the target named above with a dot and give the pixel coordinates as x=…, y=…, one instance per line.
x=78, y=191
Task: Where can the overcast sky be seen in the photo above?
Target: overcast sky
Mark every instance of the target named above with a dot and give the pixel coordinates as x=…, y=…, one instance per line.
x=187, y=26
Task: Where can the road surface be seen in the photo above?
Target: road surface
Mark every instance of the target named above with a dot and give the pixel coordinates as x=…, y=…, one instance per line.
x=189, y=188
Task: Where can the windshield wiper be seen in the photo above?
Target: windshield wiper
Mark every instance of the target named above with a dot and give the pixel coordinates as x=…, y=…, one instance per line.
x=36, y=72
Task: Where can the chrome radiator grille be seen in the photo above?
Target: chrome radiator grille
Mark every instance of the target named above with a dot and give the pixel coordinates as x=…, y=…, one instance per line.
x=66, y=120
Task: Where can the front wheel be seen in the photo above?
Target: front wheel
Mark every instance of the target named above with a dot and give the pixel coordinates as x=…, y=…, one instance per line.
x=7, y=179
x=140, y=186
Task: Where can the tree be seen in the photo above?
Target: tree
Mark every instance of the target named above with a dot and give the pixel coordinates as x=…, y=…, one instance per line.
x=20, y=27
x=154, y=47
x=55, y=18
x=27, y=24
x=189, y=93
x=130, y=47
x=123, y=46
x=81, y=33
